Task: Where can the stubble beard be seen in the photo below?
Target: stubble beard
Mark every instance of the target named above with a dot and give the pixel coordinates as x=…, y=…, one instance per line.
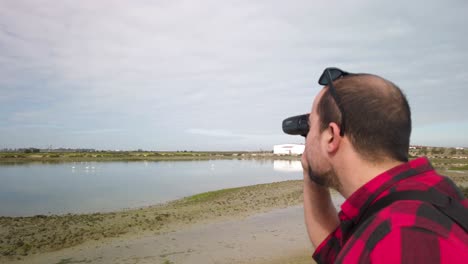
x=327, y=178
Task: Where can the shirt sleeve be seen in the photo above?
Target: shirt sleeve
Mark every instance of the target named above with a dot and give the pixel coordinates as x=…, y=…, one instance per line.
x=328, y=250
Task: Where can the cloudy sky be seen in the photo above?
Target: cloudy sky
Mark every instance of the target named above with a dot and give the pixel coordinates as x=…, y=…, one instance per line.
x=217, y=75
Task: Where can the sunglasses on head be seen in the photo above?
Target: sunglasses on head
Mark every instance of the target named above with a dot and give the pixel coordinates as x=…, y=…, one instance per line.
x=328, y=76
x=298, y=125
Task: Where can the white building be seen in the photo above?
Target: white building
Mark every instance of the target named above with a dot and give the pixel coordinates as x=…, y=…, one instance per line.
x=288, y=149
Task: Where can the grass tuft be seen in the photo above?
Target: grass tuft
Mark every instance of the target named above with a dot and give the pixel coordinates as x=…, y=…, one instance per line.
x=464, y=167
x=209, y=196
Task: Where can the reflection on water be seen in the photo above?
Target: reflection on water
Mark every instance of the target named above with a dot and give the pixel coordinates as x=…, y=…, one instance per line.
x=30, y=189
x=287, y=165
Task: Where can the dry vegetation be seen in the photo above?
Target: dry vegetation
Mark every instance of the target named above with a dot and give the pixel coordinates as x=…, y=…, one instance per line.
x=50, y=157
x=443, y=158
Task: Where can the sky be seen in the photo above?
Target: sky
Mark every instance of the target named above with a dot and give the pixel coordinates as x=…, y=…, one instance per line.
x=217, y=75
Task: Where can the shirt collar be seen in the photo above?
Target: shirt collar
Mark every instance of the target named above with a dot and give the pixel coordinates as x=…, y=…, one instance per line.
x=368, y=193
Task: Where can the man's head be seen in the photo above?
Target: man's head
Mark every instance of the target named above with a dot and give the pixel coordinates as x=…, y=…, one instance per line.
x=377, y=116
x=378, y=124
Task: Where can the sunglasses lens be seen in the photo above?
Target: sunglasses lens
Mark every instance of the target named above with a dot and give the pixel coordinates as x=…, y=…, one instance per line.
x=334, y=73
x=323, y=78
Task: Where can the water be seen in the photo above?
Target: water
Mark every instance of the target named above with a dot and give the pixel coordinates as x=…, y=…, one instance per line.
x=31, y=189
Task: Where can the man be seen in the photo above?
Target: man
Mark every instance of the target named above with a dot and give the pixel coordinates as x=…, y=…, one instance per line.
x=357, y=144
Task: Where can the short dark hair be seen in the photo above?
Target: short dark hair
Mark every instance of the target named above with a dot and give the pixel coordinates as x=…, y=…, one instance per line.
x=378, y=116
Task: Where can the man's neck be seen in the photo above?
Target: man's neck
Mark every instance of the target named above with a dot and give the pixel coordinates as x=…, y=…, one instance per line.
x=354, y=172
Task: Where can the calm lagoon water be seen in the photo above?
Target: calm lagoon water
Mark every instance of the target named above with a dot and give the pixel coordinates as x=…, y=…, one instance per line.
x=31, y=189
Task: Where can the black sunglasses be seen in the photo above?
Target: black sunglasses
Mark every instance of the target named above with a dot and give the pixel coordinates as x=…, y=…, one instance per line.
x=328, y=76
x=299, y=125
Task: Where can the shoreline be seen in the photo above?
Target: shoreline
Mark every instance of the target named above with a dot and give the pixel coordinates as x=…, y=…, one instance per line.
x=277, y=236
x=25, y=238
x=439, y=161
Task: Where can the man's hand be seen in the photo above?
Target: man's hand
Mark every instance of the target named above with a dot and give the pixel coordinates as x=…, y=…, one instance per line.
x=320, y=214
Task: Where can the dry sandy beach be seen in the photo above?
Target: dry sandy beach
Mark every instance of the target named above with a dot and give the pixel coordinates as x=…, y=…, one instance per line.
x=275, y=237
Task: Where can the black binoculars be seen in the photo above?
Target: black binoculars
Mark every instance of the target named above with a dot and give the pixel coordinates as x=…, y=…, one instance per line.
x=296, y=125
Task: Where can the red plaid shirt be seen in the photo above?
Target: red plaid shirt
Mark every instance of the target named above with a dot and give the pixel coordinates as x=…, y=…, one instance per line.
x=404, y=232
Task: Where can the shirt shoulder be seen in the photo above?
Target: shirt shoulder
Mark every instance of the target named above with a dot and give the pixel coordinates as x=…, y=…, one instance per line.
x=427, y=237
x=416, y=245
x=401, y=230
x=421, y=215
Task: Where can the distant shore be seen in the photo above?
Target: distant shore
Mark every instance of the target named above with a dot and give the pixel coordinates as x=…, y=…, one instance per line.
x=441, y=158
x=57, y=157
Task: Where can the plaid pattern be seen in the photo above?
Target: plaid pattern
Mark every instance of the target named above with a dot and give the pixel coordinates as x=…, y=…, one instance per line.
x=405, y=231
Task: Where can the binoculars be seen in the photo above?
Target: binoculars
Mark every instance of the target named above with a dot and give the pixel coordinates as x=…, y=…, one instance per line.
x=296, y=125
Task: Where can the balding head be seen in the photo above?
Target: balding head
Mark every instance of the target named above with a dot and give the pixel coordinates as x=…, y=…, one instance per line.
x=377, y=116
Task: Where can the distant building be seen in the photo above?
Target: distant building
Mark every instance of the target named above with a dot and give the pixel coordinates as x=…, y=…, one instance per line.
x=459, y=148
x=288, y=149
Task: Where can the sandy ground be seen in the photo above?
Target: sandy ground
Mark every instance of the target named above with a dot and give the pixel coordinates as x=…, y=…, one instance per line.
x=278, y=236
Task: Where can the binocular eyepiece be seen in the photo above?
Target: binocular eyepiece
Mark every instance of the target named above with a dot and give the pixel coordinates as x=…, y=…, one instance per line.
x=296, y=125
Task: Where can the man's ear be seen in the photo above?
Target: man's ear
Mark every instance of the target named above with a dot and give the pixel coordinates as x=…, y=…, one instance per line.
x=333, y=137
